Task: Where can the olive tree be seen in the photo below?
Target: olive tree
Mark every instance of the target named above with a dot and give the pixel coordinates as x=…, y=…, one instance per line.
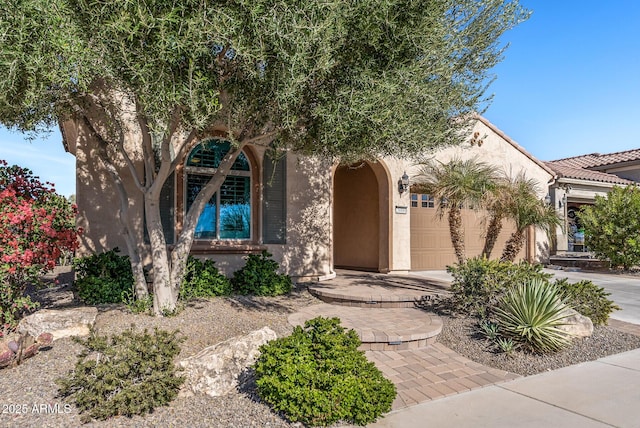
x=345, y=80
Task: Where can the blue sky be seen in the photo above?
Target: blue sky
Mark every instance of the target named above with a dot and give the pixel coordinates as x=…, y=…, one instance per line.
x=569, y=84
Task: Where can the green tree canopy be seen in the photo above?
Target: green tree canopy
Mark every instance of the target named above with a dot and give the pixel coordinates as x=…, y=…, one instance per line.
x=348, y=79
x=612, y=226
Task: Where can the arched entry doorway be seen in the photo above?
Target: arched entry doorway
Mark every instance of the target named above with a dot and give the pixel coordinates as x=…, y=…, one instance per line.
x=361, y=217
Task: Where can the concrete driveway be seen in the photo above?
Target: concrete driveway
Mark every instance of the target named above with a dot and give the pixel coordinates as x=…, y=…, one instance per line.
x=624, y=289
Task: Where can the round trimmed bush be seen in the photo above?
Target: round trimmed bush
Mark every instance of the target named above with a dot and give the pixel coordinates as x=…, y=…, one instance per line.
x=259, y=277
x=588, y=299
x=317, y=376
x=203, y=279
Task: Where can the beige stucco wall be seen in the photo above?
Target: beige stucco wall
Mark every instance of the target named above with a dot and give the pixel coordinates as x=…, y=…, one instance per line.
x=308, y=252
x=497, y=149
x=97, y=200
x=400, y=239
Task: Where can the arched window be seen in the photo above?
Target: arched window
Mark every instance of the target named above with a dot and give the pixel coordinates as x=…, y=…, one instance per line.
x=227, y=215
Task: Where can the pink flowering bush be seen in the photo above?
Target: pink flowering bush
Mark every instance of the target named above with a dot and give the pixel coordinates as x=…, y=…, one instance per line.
x=36, y=226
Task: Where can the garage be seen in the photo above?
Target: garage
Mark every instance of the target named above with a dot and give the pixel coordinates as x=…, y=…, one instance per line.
x=431, y=247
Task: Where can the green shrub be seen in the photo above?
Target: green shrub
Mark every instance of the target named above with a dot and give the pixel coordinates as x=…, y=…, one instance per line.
x=479, y=283
x=259, y=277
x=317, y=376
x=531, y=315
x=588, y=299
x=129, y=374
x=203, y=279
x=611, y=226
x=103, y=278
x=138, y=306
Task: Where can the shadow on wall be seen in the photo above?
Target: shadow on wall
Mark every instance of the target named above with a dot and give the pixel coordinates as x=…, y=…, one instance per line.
x=308, y=248
x=544, y=252
x=98, y=200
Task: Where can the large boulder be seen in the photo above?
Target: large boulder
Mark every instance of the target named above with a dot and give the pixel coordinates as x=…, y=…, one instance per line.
x=214, y=370
x=576, y=324
x=60, y=322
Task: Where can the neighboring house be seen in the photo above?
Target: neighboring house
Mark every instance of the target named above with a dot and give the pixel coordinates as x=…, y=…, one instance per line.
x=579, y=180
x=311, y=215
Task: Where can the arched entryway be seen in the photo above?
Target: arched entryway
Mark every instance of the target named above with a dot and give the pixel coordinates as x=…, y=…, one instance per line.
x=361, y=217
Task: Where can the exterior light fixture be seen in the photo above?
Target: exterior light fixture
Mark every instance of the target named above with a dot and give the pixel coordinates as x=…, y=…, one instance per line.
x=563, y=201
x=403, y=183
x=547, y=199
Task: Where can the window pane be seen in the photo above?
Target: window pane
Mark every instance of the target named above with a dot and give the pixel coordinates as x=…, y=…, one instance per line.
x=235, y=208
x=209, y=154
x=414, y=200
x=206, y=227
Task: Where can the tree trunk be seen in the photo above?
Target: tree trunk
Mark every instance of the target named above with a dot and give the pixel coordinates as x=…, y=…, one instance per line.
x=169, y=269
x=457, y=232
x=164, y=295
x=513, y=246
x=493, y=230
x=124, y=215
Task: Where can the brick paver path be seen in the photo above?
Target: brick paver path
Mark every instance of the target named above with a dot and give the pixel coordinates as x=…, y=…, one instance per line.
x=433, y=372
x=379, y=329
x=420, y=372
x=626, y=327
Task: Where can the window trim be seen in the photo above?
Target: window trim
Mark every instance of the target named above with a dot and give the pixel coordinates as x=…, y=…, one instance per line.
x=211, y=172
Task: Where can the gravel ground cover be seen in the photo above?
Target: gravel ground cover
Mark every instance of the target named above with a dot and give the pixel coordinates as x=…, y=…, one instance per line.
x=28, y=392
x=462, y=335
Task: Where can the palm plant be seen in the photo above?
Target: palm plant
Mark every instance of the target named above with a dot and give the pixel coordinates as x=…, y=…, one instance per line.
x=454, y=184
x=496, y=203
x=525, y=209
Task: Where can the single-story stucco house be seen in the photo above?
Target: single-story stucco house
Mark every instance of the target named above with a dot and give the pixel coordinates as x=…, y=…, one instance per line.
x=313, y=216
x=578, y=181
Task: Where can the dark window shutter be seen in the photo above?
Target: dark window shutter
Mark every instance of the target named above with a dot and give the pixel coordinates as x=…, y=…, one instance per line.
x=274, y=205
x=168, y=208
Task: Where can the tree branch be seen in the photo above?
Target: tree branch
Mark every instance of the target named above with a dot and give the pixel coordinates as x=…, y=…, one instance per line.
x=97, y=105
x=147, y=147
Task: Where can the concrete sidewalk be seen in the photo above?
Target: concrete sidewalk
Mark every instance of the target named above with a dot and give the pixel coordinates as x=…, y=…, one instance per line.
x=601, y=393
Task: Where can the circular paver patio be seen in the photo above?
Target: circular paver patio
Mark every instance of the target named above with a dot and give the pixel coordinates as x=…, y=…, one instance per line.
x=379, y=329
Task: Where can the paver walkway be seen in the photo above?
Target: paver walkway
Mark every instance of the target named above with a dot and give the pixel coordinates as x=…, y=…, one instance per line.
x=379, y=329
x=432, y=372
x=400, y=340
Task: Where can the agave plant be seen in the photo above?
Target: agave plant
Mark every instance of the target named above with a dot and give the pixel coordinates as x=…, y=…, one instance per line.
x=531, y=314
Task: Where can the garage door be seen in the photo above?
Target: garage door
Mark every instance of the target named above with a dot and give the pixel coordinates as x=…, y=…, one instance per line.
x=431, y=242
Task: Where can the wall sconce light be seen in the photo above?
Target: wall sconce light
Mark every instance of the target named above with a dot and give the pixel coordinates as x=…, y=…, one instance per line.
x=403, y=183
x=547, y=199
x=563, y=201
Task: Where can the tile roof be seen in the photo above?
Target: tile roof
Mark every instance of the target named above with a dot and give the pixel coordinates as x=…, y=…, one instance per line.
x=594, y=160
x=568, y=171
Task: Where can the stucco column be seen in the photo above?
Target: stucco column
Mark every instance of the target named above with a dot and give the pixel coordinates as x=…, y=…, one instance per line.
x=562, y=242
x=400, y=207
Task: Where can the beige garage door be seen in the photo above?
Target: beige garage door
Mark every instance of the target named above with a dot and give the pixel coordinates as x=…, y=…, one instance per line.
x=431, y=242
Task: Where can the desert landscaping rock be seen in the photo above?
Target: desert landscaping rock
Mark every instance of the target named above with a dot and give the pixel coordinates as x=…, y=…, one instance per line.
x=202, y=323
x=60, y=322
x=576, y=324
x=215, y=370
